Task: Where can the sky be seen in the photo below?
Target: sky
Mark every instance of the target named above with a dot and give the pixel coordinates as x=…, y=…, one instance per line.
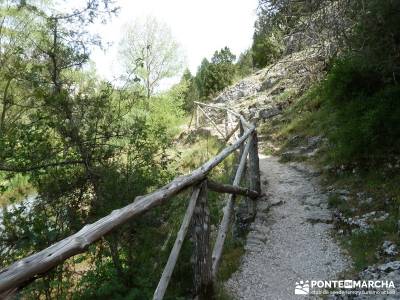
x=199, y=26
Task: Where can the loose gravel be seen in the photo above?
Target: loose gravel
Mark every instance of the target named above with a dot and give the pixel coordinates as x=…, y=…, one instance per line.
x=290, y=239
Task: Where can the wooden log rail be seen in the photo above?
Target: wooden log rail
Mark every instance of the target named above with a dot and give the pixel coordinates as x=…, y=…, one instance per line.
x=206, y=262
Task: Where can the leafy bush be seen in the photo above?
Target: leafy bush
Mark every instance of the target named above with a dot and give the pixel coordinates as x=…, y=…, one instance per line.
x=166, y=109
x=365, y=110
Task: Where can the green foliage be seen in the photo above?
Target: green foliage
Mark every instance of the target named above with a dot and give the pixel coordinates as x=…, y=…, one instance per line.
x=167, y=109
x=363, y=247
x=366, y=111
x=276, y=18
x=376, y=35
x=244, y=64
x=214, y=76
x=362, y=89
x=224, y=56
x=189, y=90
x=86, y=148
x=339, y=203
x=201, y=77
x=356, y=106
x=266, y=48
x=14, y=188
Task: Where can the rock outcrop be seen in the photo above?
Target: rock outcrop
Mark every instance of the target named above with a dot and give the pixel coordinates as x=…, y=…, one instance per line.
x=265, y=94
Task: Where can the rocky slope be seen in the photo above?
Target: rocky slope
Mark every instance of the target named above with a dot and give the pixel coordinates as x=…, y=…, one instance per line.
x=266, y=94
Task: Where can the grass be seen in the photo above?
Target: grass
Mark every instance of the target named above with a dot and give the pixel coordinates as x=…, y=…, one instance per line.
x=382, y=188
x=363, y=246
x=302, y=118
x=233, y=251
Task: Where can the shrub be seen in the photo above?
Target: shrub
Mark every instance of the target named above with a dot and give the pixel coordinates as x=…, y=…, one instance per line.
x=365, y=111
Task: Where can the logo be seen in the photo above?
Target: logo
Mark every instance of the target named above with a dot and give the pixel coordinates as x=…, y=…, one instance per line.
x=302, y=288
x=345, y=287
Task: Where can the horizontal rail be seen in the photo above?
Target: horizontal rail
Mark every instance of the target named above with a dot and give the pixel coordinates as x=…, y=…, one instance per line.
x=231, y=189
x=205, y=263
x=39, y=263
x=242, y=119
x=212, y=122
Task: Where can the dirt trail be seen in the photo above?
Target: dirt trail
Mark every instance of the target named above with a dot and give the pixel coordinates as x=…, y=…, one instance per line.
x=290, y=239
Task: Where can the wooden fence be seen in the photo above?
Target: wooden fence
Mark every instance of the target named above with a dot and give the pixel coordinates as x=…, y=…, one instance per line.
x=196, y=218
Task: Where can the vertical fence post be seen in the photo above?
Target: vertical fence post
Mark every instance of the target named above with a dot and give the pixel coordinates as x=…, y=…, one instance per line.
x=236, y=133
x=197, y=116
x=203, y=286
x=226, y=124
x=241, y=132
x=191, y=119
x=241, y=210
x=249, y=202
x=254, y=172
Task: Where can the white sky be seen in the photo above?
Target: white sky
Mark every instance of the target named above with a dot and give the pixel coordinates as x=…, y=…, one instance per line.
x=199, y=26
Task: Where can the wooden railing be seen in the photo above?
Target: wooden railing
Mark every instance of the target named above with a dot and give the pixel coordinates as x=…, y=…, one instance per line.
x=196, y=217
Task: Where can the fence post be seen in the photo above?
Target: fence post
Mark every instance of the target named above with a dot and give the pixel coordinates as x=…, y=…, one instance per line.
x=254, y=172
x=197, y=116
x=226, y=121
x=241, y=131
x=191, y=119
x=173, y=256
x=203, y=287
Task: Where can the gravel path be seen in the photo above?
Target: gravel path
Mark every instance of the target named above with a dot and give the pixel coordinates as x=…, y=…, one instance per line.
x=290, y=239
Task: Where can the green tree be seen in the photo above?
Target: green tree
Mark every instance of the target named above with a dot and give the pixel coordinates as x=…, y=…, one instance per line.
x=215, y=76
x=201, y=77
x=361, y=89
x=149, y=44
x=266, y=48
x=87, y=147
x=278, y=19
x=244, y=64
x=190, y=90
